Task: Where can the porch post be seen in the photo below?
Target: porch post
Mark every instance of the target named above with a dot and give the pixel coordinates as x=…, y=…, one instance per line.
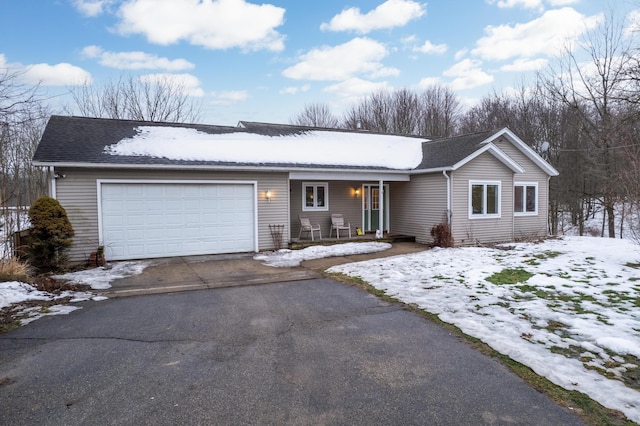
x=382, y=206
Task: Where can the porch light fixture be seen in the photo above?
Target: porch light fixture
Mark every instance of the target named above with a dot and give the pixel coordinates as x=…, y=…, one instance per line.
x=356, y=192
x=268, y=195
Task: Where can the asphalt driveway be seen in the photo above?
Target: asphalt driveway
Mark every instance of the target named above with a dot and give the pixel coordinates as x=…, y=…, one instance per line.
x=300, y=352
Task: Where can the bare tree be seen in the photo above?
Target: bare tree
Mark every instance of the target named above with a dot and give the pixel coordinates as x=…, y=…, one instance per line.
x=316, y=115
x=22, y=120
x=595, y=89
x=159, y=99
x=440, y=109
x=405, y=112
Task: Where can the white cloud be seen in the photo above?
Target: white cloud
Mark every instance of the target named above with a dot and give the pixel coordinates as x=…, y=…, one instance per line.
x=545, y=35
x=557, y=3
x=411, y=39
x=429, y=82
x=92, y=8
x=360, y=55
x=354, y=89
x=390, y=14
x=632, y=22
x=135, y=60
x=460, y=54
x=62, y=74
x=187, y=83
x=467, y=74
x=529, y=4
x=428, y=47
x=292, y=90
x=218, y=24
x=520, y=65
x=229, y=97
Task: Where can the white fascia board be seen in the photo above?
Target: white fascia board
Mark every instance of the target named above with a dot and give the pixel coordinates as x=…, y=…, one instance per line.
x=349, y=175
x=496, y=152
x=326, y=174
x=525, y=149
x=435, y=170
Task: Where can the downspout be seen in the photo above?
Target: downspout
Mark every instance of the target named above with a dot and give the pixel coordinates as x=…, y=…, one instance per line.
x=52, y=179
x=547, y=204
x=444, y=172
x=513, y=213
x=381, y=208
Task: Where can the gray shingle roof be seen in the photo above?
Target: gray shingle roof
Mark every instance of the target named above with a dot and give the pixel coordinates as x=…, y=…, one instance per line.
x=81, y=141
x=446, y=152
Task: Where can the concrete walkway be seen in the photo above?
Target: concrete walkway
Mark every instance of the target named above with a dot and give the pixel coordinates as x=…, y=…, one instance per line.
x=218, y=271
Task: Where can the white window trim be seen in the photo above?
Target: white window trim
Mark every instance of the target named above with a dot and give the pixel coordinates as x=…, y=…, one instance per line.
x=315, y=185
x=524, y=199
x=485, y=183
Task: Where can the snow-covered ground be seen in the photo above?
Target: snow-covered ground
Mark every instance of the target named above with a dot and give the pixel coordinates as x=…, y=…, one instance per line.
x=575, y=320
x=15, y=294
x=288, y=258
x=100, y=278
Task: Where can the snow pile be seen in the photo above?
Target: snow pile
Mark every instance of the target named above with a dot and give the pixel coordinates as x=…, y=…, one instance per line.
x=288, y=258
x=100, y=278
x=14, y=293
x=311, y=147
x=574, y=321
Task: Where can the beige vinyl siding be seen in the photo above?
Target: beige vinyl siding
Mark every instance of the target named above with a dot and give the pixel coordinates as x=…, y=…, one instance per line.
x=342, y=199
x=468, y=231
x=418, y=205
x=529, y=226
x=77, y=193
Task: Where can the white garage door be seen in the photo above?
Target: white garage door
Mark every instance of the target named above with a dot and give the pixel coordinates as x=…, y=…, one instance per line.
x=147, y=220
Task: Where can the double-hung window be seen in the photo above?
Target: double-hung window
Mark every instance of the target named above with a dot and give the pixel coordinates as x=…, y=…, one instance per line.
x=525, y=198
x=315, y=196
x=484, y=199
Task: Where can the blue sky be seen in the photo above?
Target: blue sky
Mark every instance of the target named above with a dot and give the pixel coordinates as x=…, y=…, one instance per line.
x=249, y=60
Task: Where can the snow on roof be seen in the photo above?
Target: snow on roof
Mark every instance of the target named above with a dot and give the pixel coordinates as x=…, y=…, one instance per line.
x=311, y=147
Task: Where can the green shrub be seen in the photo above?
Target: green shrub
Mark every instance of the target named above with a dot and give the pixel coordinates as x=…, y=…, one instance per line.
x=50, y=234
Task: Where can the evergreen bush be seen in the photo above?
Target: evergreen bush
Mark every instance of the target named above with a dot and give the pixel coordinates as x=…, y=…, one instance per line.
x=50, y=234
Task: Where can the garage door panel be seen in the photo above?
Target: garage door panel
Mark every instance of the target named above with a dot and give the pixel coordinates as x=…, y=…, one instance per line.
x=145, y=220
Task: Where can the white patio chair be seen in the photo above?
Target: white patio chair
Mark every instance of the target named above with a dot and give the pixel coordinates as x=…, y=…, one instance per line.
x=306, y=226
x=337, y=223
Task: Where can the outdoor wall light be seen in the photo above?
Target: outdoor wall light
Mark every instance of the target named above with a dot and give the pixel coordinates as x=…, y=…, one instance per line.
x=356, y=192
x=268, y=195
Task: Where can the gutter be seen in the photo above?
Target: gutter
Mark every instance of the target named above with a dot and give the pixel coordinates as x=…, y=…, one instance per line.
x=261, y=168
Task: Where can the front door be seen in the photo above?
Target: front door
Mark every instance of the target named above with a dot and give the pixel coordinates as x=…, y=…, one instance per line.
x=371, y=207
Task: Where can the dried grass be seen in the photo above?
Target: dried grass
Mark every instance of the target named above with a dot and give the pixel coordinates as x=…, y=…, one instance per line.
x=13, y=270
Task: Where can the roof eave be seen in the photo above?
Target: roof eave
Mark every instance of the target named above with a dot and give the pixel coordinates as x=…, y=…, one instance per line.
x=524, y=148
x=215, y=167
x=496, y=152
x=432, y=170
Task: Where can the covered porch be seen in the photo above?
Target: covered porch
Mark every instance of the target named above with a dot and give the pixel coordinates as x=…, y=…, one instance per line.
x=363, y=200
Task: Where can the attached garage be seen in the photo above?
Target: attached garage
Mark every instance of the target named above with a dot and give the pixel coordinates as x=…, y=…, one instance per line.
x=151, y=219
